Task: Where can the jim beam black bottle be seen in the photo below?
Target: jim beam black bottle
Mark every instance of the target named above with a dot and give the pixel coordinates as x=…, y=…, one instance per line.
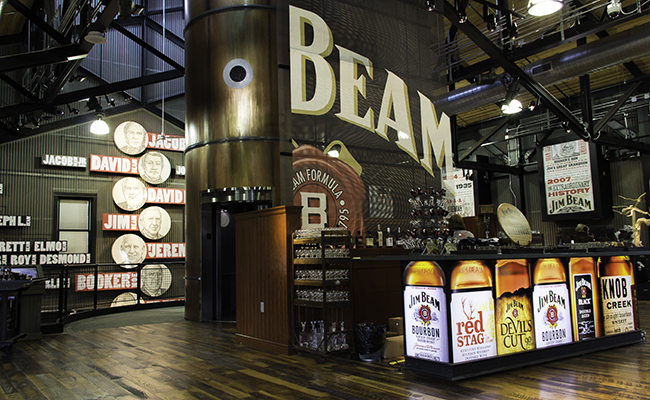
x=514, y=312
x=425, y=312
x=551, y=303
x=472, y=312
x=617, y=294
x=585, y=307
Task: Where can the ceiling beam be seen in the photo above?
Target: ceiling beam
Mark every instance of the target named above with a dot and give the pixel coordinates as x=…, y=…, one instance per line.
x=537, y=90
x=38, y=21
x=38, y=58
x=614, y=109
x=147, y=46
x=65, y=98
x=501, y=124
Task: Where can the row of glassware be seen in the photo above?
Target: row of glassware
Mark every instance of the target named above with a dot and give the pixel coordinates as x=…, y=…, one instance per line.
x=317, y=274
x=314, y=338
x=317, y=295
x=316, y=233
x=316, y=252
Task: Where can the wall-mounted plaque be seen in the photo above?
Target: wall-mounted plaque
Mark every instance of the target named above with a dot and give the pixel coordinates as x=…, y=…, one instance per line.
x=154, y=222
x=156, y=279
x=129, y=194
x=154, y=167
x=131, y=137
x=129, y=250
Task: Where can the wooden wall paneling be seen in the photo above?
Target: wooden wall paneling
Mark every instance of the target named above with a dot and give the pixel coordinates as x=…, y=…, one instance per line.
x=263, y=273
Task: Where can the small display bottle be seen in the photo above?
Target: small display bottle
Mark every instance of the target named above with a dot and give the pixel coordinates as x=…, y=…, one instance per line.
x=370, y=240
x=425, y=312
x=514, y=315
x=551, y=303
x=472, y=312
x=390, y=241
x=618, y=294
x=359, y=240
x=380, y=237
x=585, y=307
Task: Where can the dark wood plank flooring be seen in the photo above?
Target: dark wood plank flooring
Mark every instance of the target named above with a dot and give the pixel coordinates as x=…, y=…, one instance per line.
x=187, y=360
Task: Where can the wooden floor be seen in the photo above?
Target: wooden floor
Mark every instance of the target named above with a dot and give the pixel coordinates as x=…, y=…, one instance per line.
x=189, y=360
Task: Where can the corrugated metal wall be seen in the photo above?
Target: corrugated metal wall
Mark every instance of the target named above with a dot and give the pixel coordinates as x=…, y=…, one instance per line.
x=30, y=188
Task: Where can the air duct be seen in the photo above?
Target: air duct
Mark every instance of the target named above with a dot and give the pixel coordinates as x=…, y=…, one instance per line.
x=622, y=47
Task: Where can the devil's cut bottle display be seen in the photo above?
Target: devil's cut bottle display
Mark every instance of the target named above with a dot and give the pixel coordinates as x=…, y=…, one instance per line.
x=472, y=312
x=514, y=311
x=618, y=294
x=551, y=303
x=425, y=312
x=585, y=307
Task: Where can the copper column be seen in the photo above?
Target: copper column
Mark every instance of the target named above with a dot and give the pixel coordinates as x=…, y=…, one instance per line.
x=231, y=112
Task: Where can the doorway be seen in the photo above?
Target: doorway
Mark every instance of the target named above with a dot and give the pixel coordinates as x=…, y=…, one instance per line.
x=218, y=250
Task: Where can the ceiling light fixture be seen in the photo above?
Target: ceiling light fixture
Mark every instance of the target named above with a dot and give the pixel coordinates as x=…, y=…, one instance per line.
x=95, y=37
x=99, y=126
x=539, y=8
x=512, y=107
x=430, y=5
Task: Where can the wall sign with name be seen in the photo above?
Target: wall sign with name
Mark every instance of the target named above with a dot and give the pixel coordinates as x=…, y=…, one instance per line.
x=154, y=222
x=20, y=252
x=15, y=220
x=63, y=161
x=168, y=142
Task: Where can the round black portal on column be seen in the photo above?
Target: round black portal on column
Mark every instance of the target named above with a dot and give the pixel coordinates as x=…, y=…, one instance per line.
x=238, y=73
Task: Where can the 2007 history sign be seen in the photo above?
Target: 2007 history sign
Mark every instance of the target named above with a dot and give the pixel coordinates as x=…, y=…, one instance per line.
x=567, y=178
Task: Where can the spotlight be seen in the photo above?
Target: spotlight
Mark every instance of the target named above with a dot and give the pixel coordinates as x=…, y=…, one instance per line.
x=512, y=107
x=93, y=104
x=71, y=110
x=99, y=126
x=539, y=8
x=565, y=126
x=429, y=5
x=110, y=101
x=462, y=18
x=614, y=9
x=532, y=105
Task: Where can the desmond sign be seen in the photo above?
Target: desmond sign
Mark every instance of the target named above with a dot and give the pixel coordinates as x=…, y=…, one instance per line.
x=436, y=134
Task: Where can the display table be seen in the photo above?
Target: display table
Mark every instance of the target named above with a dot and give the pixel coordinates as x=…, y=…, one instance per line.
x=477, y=313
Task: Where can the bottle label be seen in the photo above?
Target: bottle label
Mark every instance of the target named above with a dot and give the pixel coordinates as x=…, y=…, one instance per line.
x=552, y=315
x=389, y=241
x=514, y=319
x=472, y=325
x=584, y=303
x=618, y=309
x=425, y=314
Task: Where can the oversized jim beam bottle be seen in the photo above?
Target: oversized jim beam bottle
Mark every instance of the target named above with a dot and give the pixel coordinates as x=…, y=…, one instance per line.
x=618, y=294
x=472, y=312
x=514, y=316
x=551, y=303
x=585, y=306
x=425, y=312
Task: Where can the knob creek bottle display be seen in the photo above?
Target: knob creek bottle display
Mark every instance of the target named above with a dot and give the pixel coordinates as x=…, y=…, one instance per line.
x=551, y=303
x=585, y=307
x=514, y=313
x=472, y=312
x=425, y=312
x=617, y=294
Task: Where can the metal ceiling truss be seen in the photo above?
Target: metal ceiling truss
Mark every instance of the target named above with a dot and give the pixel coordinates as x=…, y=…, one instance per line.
x=589, y=26
x=587, y=130
x=69, y=56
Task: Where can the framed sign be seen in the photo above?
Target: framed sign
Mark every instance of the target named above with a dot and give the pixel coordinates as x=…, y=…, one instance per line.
x=575, y=180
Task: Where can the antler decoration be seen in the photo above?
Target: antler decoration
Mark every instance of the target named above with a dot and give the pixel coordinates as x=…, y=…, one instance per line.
x=631, y=212
x=469, y=316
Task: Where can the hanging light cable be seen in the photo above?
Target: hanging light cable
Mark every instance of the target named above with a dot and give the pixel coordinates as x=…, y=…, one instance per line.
x=162, y=136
